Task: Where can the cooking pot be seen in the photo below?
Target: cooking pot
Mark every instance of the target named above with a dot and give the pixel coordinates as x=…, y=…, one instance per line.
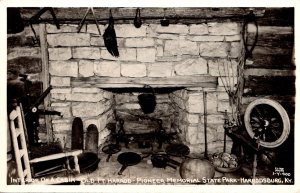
x=128, y=159
x=147, y=101
x=178, y=150
x=87, y=161
x=162, y=161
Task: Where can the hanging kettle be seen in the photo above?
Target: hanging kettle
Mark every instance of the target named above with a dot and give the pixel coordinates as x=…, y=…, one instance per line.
x=137, y=20
x=147, y=101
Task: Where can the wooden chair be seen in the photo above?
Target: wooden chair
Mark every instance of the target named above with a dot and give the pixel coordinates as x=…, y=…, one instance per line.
x=21, y=153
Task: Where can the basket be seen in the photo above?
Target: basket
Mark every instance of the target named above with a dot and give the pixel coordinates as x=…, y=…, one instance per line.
x=227, y=170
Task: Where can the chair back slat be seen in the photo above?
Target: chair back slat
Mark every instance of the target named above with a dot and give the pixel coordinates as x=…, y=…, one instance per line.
x=19, y=145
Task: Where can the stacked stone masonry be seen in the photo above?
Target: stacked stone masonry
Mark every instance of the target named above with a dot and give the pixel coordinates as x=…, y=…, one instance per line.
x=149, y=51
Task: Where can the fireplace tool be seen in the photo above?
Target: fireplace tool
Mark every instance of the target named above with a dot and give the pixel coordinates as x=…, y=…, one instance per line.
x=111, y=149
x=164, y=22
x=110, y=38
x=147, y=101
x=205, y=124
x=121, y=135
x=137, y=20
x=161, y=135
x=84, y=18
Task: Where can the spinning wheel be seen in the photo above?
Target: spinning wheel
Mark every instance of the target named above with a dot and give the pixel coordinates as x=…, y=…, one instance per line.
x=266, y=120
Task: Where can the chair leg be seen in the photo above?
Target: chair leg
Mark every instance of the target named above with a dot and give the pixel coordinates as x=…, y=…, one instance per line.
x=76, y=164
x=254, y=170
x=68, y=164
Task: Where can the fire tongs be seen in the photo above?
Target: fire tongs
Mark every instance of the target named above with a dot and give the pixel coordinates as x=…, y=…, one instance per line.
x=84, y=18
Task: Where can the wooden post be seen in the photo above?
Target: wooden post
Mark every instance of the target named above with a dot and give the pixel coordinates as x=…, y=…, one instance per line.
x=254, y=167
x=45, y=77
x=205, y=123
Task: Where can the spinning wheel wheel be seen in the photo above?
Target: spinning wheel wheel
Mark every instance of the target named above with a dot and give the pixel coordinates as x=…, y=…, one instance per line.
x=266, y=120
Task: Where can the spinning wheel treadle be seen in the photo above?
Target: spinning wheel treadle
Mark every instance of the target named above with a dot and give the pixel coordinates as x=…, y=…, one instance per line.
x=266, y=120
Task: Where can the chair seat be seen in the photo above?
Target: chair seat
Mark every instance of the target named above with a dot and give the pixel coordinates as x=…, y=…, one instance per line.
x=56, y=156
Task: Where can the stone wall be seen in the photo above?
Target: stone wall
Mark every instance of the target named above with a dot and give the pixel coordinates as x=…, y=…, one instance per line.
x=92, y=105
x=149, y=51
x=189, y=106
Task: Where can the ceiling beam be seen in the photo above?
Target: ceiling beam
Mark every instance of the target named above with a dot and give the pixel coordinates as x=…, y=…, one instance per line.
x=275, y=16
x=148, y=15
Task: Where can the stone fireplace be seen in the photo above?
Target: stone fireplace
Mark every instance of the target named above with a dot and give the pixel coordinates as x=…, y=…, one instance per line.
x=180, y=62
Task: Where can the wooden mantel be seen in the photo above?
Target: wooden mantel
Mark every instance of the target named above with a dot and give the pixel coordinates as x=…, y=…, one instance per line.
x=163, y=82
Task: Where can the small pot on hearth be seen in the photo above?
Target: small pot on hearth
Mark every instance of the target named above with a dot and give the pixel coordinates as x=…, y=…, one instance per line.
x=147, y=101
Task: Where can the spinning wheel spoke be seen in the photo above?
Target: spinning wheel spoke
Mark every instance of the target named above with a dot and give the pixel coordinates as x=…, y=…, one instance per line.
x=255, y=119
x=264, y=137
x=255, y=125
x=255, y=129
x=259, y=113
x=274, y=134
x=270, y=136
x=273, y=119
x=275, y=125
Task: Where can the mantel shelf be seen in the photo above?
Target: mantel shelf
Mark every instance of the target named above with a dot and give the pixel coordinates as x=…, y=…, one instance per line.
x=156, y=82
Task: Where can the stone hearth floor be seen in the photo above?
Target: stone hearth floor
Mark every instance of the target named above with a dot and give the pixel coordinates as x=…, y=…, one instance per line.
x=145, y=174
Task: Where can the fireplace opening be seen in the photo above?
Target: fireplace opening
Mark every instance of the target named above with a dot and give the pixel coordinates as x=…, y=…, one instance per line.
x=160, y=125
x=179, y=112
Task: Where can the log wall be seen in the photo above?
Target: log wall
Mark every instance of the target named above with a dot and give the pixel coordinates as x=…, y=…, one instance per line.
x=270, y=72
